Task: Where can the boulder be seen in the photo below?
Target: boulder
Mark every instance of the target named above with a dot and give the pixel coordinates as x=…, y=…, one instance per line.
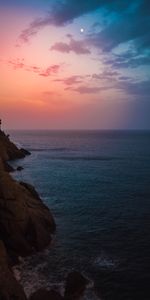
x=75, y=286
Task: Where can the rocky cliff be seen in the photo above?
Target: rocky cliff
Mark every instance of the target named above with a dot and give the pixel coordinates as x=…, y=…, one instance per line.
x=26, y=224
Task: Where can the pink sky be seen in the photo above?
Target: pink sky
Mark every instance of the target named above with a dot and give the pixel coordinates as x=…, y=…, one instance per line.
x=46, y=84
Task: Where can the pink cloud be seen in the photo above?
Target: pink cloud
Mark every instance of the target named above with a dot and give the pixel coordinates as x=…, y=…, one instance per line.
x=54, y=69
x=19, y=64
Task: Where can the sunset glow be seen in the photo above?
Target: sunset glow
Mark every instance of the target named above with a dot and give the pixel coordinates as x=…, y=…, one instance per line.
x=55, y=74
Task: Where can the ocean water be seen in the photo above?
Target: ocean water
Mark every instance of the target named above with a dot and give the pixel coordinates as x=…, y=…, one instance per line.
x=97, y=185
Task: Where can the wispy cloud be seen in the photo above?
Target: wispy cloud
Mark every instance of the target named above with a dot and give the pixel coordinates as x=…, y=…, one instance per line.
x=86, y=89
x=50, y=70
x=54, y=69
x=106, y=74
x=128, y=59
x=72, y=80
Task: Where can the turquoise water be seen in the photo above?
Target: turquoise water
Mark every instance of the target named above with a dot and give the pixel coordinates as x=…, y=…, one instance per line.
x=97, y=184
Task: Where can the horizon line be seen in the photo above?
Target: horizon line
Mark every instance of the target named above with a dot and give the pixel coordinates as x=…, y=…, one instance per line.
x=77, y=129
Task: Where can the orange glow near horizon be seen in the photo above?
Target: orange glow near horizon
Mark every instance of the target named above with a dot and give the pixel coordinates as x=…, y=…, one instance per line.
x=41, y=88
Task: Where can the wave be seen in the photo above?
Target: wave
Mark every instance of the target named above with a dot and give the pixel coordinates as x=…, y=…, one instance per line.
x=105, y=262
x=32, y=279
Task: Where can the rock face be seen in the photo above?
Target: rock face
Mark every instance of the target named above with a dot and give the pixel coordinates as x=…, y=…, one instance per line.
x=10, y=289
x=9, y=150
x=26, y=224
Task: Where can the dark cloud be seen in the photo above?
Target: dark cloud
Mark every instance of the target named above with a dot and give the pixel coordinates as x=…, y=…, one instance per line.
x=128, y=59
x=61, y=13
x=139, y=89
x=78, y=47
x=129, y=27
x=66, y=11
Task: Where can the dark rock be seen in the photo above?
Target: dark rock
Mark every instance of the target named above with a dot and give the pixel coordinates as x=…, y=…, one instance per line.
x=31, y=189
x=8, y=168
x=43, y=294
x=75, y=286
x=26, y=224
x=10, y=289
x=19, y=168
x=8, y=150
x=25, y=152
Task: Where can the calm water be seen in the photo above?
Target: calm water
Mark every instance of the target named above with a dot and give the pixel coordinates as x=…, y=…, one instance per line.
x=97, y=184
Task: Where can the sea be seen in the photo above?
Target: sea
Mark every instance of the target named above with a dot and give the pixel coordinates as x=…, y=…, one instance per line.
x=97, y=185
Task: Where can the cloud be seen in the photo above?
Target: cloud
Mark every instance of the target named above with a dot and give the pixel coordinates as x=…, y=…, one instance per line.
x=124, y=78
x=130, y=25
x=75, y=79
x=106, y=74
x=54, y=69
x=86, y=90
x=139, y=89
x=121, y=31
x=78, y=47
x=19, y=64
x=129, y=59
x=63, y=12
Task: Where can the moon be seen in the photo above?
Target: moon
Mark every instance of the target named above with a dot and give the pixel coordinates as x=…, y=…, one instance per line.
x=81, y=30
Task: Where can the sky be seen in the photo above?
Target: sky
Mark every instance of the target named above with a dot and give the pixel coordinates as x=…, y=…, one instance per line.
x=72, y=64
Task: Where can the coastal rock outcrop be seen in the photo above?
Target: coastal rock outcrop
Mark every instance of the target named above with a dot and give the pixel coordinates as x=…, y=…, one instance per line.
x=10, y=289
x=26, y=224
x=8, y=150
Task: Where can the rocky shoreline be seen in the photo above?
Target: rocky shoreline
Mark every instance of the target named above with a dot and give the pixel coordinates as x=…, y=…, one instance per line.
x=26, y=226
